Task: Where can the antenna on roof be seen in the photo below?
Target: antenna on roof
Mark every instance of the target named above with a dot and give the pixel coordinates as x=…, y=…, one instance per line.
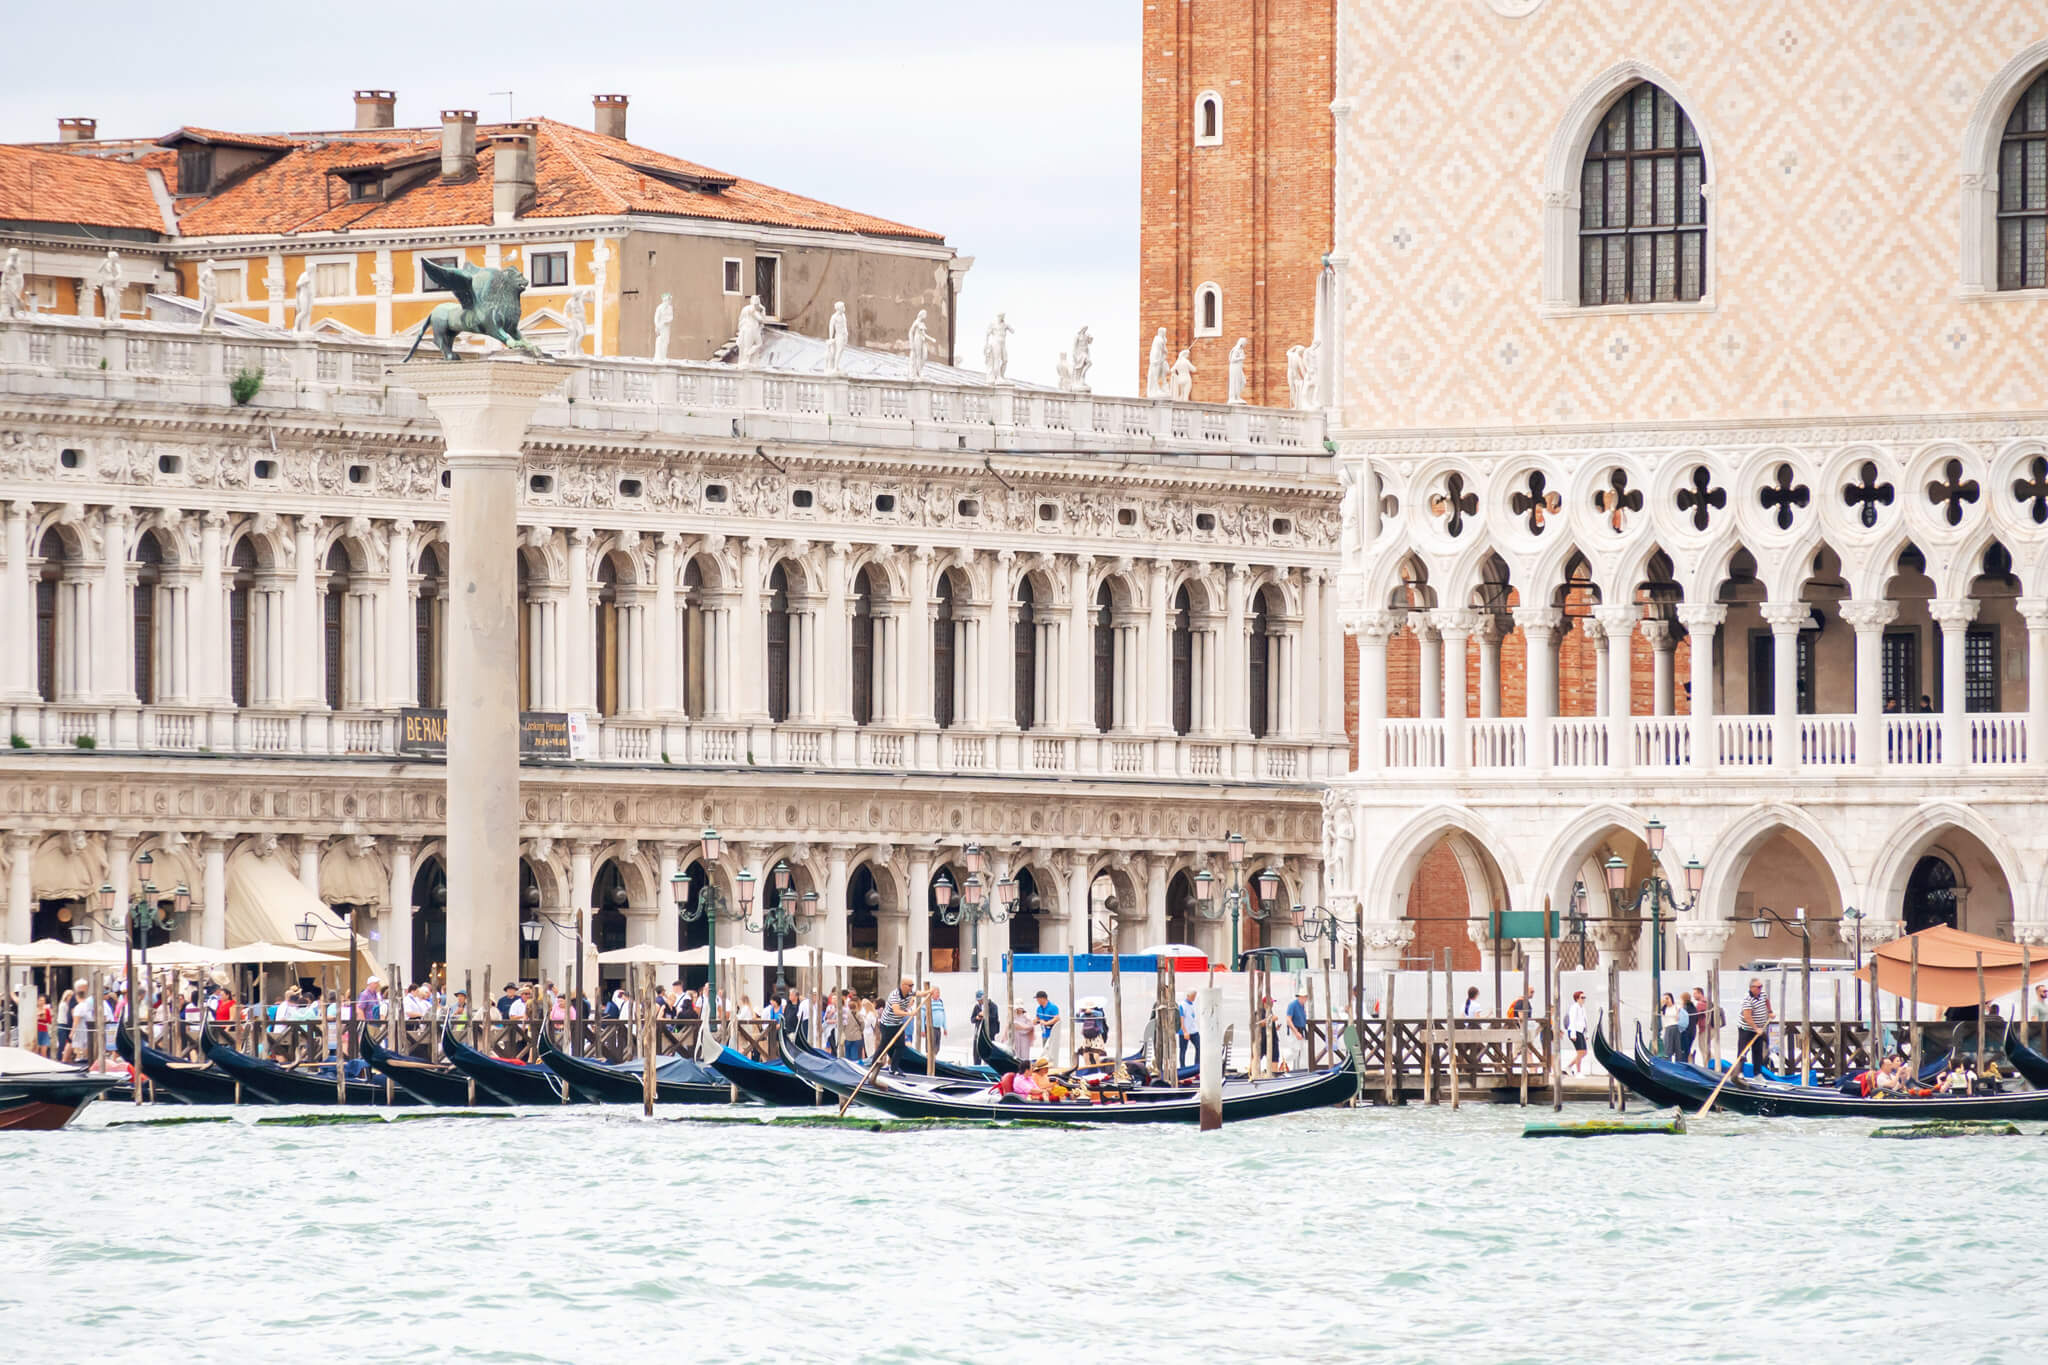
x=510, y=117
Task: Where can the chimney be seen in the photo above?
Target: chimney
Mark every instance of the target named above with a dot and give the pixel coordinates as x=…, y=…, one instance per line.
x=77, y=129
x=512, y=188
x=376, y=109
x=611, y=115
x=458, y=144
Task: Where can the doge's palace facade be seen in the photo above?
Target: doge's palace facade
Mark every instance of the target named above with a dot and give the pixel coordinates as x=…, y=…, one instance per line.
x=1711, y=333
x=852, y=624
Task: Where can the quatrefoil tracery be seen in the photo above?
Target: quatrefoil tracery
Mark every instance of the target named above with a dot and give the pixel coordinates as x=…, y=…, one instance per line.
x=1703, y=498
x=1867, y=495
x=1454, y=504
x=1617, y=501
x=1951, y=491
x=1783, y=497
x=1537, y=504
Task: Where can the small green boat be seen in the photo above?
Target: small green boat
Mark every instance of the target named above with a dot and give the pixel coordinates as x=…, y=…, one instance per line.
x=1605, y=1128
x=1947, y=1128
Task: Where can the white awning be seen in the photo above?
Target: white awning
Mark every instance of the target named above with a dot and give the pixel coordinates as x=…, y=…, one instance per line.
x=266, y=903
x=57, y=874
x=348, y=878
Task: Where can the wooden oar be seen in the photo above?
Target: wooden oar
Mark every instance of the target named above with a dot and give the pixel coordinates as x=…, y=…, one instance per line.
x=876, y=1065
x=1728, y=1076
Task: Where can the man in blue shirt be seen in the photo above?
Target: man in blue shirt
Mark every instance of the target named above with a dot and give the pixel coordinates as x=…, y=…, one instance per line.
x=1296, y=1051
x=1048, y=1015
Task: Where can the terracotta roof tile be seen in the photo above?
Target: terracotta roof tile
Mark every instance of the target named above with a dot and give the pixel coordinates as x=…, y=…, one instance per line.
x=54, y=187
x=190, y=134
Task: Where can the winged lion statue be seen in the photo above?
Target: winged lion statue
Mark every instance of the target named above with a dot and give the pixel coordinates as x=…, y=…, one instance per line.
x=487, y=304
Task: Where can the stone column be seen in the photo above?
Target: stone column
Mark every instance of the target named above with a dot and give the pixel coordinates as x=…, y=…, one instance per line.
x=748, y=656
x=914, y=653
x=1618, y=622
x=116, y=670
x=1704, y=943
x=20, y=919
x=1430, y=671
x=2034, y=610
x=1663, y=641
x=1786, y=620
x=1455, y=628
x=309, y=862
x=835, y=643
x=121, y=876
x=1954, y=617
x=17, y=666
x=1489, y=632
x=213, y=891
x=401, y=675
x=301, y=682
x=1077, y=940
x=579, y=685
x=1232, y=679
x=1701, y=624
x=398, y=923
x=667, y=668
x=1869, y=617
x=1330, y=652
x=1079, y=713
x=483, y=407
x=1539, y=636
x=1372, y=628
x=838, y=915
x=917, y=906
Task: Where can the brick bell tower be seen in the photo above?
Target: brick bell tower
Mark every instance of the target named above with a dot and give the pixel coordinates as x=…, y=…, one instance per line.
x=1235, y=200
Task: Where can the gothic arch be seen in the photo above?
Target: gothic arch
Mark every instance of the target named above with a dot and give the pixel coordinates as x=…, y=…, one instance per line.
x=1394, y=869
x=1978, y=177
x=1912, y=837
x=1734, y=846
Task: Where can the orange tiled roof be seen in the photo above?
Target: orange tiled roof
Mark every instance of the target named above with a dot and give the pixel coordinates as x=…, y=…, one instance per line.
x=191, y=134
x=53, y=187
x=577, y=173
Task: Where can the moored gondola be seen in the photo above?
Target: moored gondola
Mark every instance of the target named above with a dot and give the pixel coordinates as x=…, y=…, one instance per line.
x=285, y=1085
x=994, y=1055
x=39, y=1095
x=769, y=1082
x=428, y=1082
x=1631, y=1074
x=1241, y=1099
x=677, y=1080
x=508, y=1081
x=1768, y=1100
x=911, y=1062
x=183, y=1081
x=2032, y=1066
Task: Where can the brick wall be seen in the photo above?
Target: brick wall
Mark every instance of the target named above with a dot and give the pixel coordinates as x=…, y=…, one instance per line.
x=1253, y=214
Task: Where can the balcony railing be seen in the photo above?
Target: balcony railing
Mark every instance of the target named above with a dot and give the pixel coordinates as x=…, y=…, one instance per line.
x=329, y=375
x=642, y=740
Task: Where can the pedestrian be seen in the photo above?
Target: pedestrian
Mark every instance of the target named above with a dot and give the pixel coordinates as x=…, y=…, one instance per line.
x=870, y=1030
x=1575, y=1032
x=1471, y=1010
x=1048, y=1018
x=1752, y=1026
x=937, y=1008
x=1689, y=1004
x=1523, y=1005
x=43, y=1023
x=1296, y=1033
x=1021, y=1030
x=1190, y=1031
x=1672, y=1019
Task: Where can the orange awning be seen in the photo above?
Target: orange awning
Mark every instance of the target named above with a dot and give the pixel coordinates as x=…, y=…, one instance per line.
x=1948, y=967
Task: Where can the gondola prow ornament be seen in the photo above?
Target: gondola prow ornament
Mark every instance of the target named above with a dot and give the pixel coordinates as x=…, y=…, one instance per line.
x=487, y=304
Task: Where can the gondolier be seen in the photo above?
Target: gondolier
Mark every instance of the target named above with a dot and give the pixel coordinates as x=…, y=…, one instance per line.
x=1752, y=1027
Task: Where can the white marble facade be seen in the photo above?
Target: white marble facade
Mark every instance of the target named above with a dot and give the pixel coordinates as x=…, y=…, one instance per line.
x=1816, y=491
x=853, y=624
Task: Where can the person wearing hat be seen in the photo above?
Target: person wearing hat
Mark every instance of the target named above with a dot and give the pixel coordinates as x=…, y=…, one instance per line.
x=1020, y=1031
x=1295, y=1051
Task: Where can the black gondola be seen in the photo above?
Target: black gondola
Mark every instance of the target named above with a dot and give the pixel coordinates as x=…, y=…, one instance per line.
x=185, y=1082
x=908, y=1060
x=1633, y=1075
x=428, y=1082
x=994, y=1055
x=677, y=1080
x=2031, y=1065
x=769, y=1082
x=1241, y=1099
x=282, y=1085
x=509, y=1082
x=44, y=1096
x=1791, y=1101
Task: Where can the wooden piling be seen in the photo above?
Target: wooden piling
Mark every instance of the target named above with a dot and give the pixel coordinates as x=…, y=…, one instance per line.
x=1913, y=989
x=1841, y=1034
x=1980, y=1012
x=1387, y=1058
x=1073, y=1045
x=1615, y=1098
x=1209, y=1086
x=1553, y=993
x=2026, y=995
x=647, y=1048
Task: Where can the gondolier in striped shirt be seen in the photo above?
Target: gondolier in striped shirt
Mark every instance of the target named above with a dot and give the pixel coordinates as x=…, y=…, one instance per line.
x=901, y=1004
x=1752, y=1027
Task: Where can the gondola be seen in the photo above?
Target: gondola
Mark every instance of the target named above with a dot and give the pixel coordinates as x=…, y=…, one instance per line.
x=283, y=1085
x=995, y=1056
x=1241, y=1099
x=769, y=1082
x=433, y=1083
x=38, y=1095
x=677, y=1080
x=508, y=1082
x=908, y=1060
x=1633, y=1075
x=2032, y=1066
x=182, y=1081
x=1788, y=1101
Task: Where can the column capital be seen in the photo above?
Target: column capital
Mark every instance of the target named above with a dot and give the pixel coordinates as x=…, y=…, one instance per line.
x=1658, y=631
x=1375, y=625
x=1618, y=618
x=1702, y=936
x=2034, y=611
x=1951, y=612
x=1538, y=621
x=2033, y=933
x=1454, y=622
x=18, y=841
x=1786, y=618
x=1492, y=625
x=21, y=509
x=1703, y=616
x=1423, y=624
x=1866, y=614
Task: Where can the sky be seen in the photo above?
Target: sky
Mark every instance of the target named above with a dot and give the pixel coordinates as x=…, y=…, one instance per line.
x=1012, y=129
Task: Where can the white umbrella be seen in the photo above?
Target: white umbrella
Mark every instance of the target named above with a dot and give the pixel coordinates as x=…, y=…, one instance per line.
x=1170, y=950
x=254, y=954
x=55, y=952
x=812, y=957
x=647, y=954
x=184, y=955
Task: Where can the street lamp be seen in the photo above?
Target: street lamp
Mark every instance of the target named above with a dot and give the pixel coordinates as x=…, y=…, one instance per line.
x=1761, y=920
x=1575, y=917
x=706, y=905
x=1234, y=901
x=973, y=904
x=1852, y=913
x=142, y=914
x=778, y=918
x=1653, y=891
x=530, y=930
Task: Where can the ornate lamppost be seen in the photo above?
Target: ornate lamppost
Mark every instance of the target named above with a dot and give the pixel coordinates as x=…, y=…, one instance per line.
x=777, y=917
x=707, y=905
x=530, y=931
x=974, y=906
x=143, y=913
x=1760, y=922
x=1234, y=900
x=1653, y=891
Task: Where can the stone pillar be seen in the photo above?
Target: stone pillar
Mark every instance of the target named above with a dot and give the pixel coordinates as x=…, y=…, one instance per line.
x=835, y=644
x=1786, y=620
x=1701, y=623
x=1077, y=939
x=579, y=685
x=1155, y=899
x=1618, y=622
x=1330, y=651
x=1539, y=634
x=1157, y=653
x=18, y=666
x=1954, y=617
x=1869, y=617
x=1372, y=629
x=1596, y=636
x=838, y=915
x=2034, y=610
x=213, y=891
x=20, y=909
x=1704, y=943
x=116, y=670
x=398, y=923
x=1663, y=641
x=1489, y=633
x=667, y=671
x=401, y=674
x=914, y=651
x=303, y=675
x=1455, y=628
x=1079, y=712
x=1233, y=680
x=748, y=657
x=120, y=876
x=483, y=407
x=309, y=863
x=917, y=905
x=1429, y=674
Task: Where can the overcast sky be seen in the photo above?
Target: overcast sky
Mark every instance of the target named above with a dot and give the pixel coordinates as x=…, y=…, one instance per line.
x=1013, y=129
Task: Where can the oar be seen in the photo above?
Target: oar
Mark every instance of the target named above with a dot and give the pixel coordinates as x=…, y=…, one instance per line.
x=876, y=1065
x=1726, y=1077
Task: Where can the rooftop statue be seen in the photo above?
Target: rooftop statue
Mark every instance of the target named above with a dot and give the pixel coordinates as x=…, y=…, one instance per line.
x=486, y=303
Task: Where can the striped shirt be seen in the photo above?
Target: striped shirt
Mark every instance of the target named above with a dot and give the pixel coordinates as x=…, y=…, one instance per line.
x=1756, y=1012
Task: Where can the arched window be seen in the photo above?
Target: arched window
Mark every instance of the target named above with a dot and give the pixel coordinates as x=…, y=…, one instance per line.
x=1183, y=664
x=1642, y=212
x=1105, y=661
x=778, y=645
x=241, y=642
x=1208, y=119
x=429, y=622
x=1258, y=668
x=694, y=640
x=149, y=568
x=605, y=638
x=944, y=702
x=49, y=584
x=333, y=633
x=2023, y=191
x=1208, y=311
x=1024, y=656
x=862, y=651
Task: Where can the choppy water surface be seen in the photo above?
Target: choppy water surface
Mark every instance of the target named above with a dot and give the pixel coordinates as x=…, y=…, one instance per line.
x=1410, y=1235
